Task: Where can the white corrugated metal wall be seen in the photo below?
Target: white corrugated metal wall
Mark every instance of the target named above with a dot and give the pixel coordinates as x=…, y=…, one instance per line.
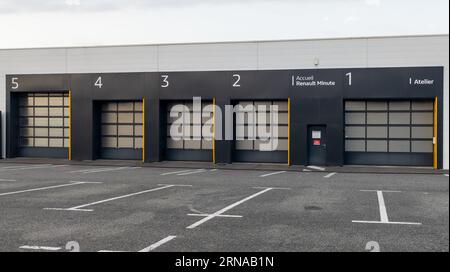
x=332, y=53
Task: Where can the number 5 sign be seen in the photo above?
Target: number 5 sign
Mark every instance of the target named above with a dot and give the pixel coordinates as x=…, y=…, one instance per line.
x=14, y=83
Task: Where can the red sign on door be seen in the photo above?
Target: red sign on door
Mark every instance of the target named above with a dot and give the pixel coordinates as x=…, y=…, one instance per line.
x=316, y=142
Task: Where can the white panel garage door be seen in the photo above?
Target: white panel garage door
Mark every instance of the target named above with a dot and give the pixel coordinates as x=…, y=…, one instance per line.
x=389, y=132
x=44, y=124
x=121, y=130
x=189, y=131
x=269, y=146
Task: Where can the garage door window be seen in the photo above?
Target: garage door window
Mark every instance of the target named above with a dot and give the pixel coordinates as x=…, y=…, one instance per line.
x=122, y=125
x=247, y=124
x=44, y=120
x=389, y=126
x=191, y=134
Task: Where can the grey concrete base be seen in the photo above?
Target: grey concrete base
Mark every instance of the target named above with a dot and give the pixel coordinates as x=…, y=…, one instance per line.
x=237, y=166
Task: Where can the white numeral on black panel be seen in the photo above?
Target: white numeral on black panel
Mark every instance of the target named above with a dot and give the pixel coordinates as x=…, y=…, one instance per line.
x=165, y=81
x=14, y=83
x=349, y=76
x=237, y=79
x=99, y=83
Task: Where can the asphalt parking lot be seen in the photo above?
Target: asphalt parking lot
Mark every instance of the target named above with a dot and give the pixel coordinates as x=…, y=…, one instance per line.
x=113, y=208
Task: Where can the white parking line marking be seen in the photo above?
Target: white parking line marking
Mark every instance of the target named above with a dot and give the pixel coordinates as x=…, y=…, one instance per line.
x=274, y=188
x=43, y=166
x=112, y=169
x=385, y=191
x=316, y=168
x=31, y=167
x=384, y=219
x=387, y=223
x=85, y=170
x=8, y=180
x=22, y=166
x=81, y=207
x=213, y=170
x=224, y=210
x=41, y=248
x=158, y=244
x=222, y=215
x=72, y=183
x=271, y=174
x=193, y=172
x=382, y=206
x=176, y=172
x=330, y=175
x=100, y=170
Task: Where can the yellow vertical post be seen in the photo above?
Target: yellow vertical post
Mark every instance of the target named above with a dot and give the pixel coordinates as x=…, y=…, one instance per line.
x=435, y=134
x=214, y=131
x=70, y=125
x=143, y=129
x=289, y=131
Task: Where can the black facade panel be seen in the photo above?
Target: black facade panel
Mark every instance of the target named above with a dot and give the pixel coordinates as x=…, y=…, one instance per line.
x=1, y=136
x=43, y=152
x=188, y=155
x=257, y=85
x=335, y=145
x=17, y=84
x=12, y=128
x=120, y=154
x=116, y=86
x=319, y=104
x=224, y=148
x=398, y=159
x=186, y=85
x=38, y=83
x=154, y=143
x=84, y=119
x=260, y=157
x=96, y=131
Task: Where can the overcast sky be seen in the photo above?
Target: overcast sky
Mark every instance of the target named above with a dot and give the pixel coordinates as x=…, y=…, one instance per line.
x=55, y=23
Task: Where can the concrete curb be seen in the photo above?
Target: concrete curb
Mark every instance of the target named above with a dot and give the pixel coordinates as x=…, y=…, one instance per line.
x=237, y=166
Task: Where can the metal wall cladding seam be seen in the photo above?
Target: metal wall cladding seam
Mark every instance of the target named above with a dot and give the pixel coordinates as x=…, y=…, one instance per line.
x=208, y=57
x=112, y=59
x=313, y=54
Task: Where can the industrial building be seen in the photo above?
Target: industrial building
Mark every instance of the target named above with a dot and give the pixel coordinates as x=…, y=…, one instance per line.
x=356, y=101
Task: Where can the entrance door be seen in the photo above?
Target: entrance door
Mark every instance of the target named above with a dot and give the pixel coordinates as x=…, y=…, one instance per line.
x=317, y=143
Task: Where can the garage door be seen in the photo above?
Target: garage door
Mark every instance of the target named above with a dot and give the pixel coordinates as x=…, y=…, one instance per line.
x=44, y=124
x=189, y=131
x=250, y=145
x=121, y=130
x=389, y=132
